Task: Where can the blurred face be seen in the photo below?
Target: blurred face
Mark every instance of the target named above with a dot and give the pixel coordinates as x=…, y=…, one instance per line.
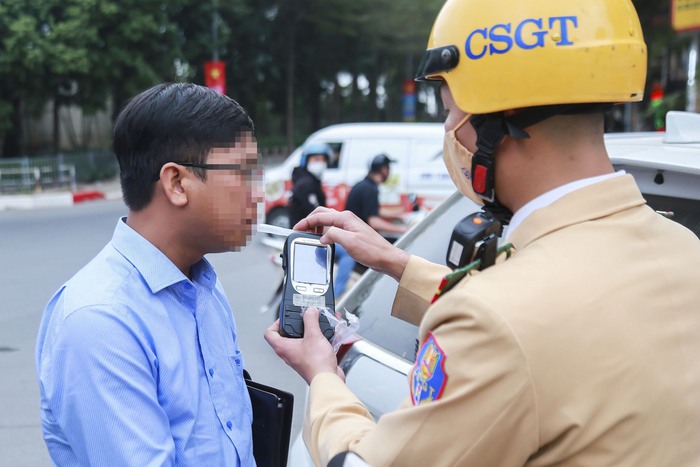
x=385, y=173
x=227, y=201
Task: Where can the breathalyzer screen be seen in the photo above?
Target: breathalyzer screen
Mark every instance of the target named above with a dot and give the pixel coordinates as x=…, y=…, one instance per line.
x=309, y=264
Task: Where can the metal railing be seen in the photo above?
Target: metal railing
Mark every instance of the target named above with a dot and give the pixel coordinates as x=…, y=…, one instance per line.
x=22, y=179
x=31, y=174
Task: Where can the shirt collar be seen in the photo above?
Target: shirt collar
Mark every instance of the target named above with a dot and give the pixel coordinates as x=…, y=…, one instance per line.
x=551, y=196
x=156, y=269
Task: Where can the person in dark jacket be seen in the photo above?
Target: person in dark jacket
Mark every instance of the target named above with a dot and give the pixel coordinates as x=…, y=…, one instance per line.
x=307, y=192
x=307, y=195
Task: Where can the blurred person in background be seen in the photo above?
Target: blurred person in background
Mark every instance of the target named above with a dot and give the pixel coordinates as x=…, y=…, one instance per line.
x=137, y=355
x=308, y=194
x=363, y=199
x=307, y=189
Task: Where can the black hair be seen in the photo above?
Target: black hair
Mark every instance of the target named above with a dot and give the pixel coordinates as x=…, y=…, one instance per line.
x=172, y=122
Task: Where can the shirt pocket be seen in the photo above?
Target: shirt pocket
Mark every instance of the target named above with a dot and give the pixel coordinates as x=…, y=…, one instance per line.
x=236, y=362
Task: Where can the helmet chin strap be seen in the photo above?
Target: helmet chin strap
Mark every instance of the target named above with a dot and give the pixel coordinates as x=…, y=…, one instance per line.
x=490, y=131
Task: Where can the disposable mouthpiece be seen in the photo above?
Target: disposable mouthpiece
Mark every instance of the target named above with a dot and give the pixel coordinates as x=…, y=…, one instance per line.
x=274, y=230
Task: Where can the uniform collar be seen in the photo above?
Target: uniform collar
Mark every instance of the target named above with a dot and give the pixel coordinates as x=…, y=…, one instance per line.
x=592, y=201
x=156, y=269
x=551, y=196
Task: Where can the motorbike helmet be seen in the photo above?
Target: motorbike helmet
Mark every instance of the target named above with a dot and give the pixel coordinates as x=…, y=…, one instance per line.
x=538, y=58
x=503, y=55
x=313, y=149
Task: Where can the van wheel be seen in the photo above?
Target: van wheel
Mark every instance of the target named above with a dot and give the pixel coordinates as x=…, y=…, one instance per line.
x=279, y=217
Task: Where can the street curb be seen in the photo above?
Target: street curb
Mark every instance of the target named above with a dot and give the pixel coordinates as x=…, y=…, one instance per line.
x=54, y=200
x=43, y=200
x=87, y=195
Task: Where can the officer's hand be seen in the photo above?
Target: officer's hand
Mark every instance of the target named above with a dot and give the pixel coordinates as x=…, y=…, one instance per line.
x=362, y=242
x=308, y=356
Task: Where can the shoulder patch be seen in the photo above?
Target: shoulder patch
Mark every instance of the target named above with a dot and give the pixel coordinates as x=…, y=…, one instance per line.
x=428, y=377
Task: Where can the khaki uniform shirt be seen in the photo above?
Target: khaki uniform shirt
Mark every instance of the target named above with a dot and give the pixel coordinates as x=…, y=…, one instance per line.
x=582, y=349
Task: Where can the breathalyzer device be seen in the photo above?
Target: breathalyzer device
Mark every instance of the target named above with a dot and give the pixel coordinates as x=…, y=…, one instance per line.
x=308, y=281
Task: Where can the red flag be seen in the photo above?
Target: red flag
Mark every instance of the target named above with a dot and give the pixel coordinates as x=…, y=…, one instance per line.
x=215, y=76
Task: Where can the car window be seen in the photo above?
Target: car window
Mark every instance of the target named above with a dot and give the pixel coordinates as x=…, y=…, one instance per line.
x=672, y=191
x=684, y=211
x=335, y=158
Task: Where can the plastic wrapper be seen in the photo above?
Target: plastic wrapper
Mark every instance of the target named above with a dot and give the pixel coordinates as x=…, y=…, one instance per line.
x=344, y=324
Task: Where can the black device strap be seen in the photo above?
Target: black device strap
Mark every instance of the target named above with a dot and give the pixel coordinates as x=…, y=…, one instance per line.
x=490, y=131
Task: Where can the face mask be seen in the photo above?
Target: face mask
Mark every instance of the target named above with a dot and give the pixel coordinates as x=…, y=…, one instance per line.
x=316, y=168
x=458, y=161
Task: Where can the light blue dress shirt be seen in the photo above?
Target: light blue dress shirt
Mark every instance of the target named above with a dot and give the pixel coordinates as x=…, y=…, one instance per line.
x=139, y=365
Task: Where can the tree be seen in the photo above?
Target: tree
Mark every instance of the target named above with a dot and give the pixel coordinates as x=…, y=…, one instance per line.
x=139, y=42
x=283, y=57
x=80, y=52
x=42, y=44
x=317, y=39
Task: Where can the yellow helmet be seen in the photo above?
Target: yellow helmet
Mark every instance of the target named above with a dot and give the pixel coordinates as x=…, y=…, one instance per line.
x=505, y=54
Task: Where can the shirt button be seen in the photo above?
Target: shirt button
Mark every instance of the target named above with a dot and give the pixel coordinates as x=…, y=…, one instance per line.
x=211, y=372
x=229, y=424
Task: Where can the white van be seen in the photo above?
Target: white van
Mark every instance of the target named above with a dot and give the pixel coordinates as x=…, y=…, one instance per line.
x=419, y=175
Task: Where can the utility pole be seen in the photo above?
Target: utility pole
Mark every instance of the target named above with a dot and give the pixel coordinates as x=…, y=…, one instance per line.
x=692, y=92
x=215, y=31
x=215, y=70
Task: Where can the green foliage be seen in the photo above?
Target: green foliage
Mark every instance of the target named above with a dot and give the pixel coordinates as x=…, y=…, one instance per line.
x=283, y=57
x=86, y=52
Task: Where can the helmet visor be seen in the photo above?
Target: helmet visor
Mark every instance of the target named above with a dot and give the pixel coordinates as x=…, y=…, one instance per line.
x=437, y=60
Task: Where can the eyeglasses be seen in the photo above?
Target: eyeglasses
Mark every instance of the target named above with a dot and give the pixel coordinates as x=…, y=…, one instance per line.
x=247, y=170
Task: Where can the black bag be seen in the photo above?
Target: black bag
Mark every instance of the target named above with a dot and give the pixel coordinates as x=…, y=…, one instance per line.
x=272, y=423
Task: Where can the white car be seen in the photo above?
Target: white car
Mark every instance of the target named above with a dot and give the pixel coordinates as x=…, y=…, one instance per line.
x=666, y=167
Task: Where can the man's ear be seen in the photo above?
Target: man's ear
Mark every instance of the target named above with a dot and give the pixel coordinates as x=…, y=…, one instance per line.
x=174, y=181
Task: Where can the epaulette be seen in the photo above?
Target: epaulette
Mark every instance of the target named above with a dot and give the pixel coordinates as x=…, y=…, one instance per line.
x=453, y=278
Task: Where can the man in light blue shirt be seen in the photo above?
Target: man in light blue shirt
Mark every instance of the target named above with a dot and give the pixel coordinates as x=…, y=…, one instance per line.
x=137, y=354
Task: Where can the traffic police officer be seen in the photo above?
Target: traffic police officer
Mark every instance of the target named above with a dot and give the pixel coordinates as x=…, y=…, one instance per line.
x=579, y=350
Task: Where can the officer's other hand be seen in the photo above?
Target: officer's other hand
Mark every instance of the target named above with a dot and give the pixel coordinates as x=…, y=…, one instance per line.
x=362, y=242
x=308, y=356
